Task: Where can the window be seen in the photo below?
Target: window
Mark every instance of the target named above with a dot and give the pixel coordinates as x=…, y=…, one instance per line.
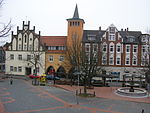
x=11, y=57
x=134, y=61
x=127, y=61
x=61, y=58
x=128, y=48
x=25, y=47
x=143, y=61
x=30, y=47
x=28, y=57
x=19, y=69
x=91, y=37
x=11, y=68
x=111, y=60
x=104, y=48
x=51, y=58
x=15, y=69
x=20, y=47
x=19, y=57
x=95, y=47
x=78, y=23
x=118, y=62
x=87, y=47
x=118, y=48
x=112, y=29
x=111, y=48
x=104, y=60
x=70, y=23
x=111, y=37
x=25, y=38
x=135, y=49
x=143, y=49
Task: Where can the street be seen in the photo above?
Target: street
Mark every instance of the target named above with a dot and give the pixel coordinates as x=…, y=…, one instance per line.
x=23, y=97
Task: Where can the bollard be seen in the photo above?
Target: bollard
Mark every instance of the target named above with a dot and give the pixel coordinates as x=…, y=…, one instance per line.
x=76, y=92
x=94, y=93
x=80, y=91
x=142, y=110
x=11, y=81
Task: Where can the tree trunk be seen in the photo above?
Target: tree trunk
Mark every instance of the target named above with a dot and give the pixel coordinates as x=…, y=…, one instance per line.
x=85, y=85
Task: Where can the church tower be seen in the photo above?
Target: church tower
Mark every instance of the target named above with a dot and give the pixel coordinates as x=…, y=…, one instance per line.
x=75, y=27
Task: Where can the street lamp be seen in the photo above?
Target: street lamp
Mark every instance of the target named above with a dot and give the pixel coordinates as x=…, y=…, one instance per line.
x=77, y=74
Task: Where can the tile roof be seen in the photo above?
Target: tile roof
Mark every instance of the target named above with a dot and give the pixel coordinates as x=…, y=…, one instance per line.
x=53, y=40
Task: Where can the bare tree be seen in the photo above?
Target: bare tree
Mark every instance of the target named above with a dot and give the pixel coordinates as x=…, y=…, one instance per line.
x=85, y=64
x=4, y=28
x=34, y=59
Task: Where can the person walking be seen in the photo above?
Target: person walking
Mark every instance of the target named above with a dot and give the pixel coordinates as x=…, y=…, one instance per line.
x=11, y=81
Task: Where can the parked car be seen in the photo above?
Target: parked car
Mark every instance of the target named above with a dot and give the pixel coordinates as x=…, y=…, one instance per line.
x=33, y=76
x=51, y=77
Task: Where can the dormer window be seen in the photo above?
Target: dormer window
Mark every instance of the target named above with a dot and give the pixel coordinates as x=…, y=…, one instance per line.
x=91, y=37
x=112, y=30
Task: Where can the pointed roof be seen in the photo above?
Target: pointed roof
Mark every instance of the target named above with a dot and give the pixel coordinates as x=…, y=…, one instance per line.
x=76, y=14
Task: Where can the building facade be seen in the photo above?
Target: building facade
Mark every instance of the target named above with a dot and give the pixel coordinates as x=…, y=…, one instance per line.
x=25, y=52
x=118, y=51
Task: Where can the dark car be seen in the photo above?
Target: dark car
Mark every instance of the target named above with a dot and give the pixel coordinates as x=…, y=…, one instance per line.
x=51, y=77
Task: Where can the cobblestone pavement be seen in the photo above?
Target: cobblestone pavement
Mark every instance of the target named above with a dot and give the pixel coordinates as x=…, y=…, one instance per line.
x=22, y=97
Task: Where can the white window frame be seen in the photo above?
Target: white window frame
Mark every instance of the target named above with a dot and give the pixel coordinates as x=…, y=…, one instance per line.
x=128, y=48
x=128, y=60
x=105, y=46
x=95, y=46
x=112, y=48
x=117, y=61
x=61, y=58
x=11, y=56
x=104, y=60
x=19, y=69
x=19, y=57
x=135, y=47
x=51, y=58
x=11, y=68
x=111, y=37
x=111, y=60
x=118, y=46
x=134, y=59
x=87, y=45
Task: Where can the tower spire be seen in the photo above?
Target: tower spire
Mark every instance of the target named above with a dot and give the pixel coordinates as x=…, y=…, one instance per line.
x=76, y=14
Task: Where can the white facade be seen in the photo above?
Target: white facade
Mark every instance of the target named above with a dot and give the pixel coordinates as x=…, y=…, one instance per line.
x=25, y=53
x=18, y=66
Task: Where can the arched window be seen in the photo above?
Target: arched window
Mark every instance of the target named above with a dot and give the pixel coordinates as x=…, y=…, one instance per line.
x=25, y=38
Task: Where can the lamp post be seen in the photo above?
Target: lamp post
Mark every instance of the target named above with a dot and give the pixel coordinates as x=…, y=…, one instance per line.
x=77, y=74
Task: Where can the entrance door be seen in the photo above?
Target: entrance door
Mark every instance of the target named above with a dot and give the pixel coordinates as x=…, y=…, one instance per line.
x=28, y=71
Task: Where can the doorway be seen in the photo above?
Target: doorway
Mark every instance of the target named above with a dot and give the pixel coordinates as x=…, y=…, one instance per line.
x=28, y=71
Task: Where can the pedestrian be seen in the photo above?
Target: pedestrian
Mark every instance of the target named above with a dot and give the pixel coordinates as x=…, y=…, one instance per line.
x=142, y=110
x=11, y=81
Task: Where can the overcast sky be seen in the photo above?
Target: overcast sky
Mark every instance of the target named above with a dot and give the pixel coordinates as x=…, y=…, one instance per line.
x=49, y=16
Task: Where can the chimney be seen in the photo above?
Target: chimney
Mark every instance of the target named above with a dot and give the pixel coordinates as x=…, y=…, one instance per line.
x=121, y=29
x=127, y=28
x=17, y=28
x=34, y=28
x=99, y=28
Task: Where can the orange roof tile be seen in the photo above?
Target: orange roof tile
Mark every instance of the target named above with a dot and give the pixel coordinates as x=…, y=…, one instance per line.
x=54, y=40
